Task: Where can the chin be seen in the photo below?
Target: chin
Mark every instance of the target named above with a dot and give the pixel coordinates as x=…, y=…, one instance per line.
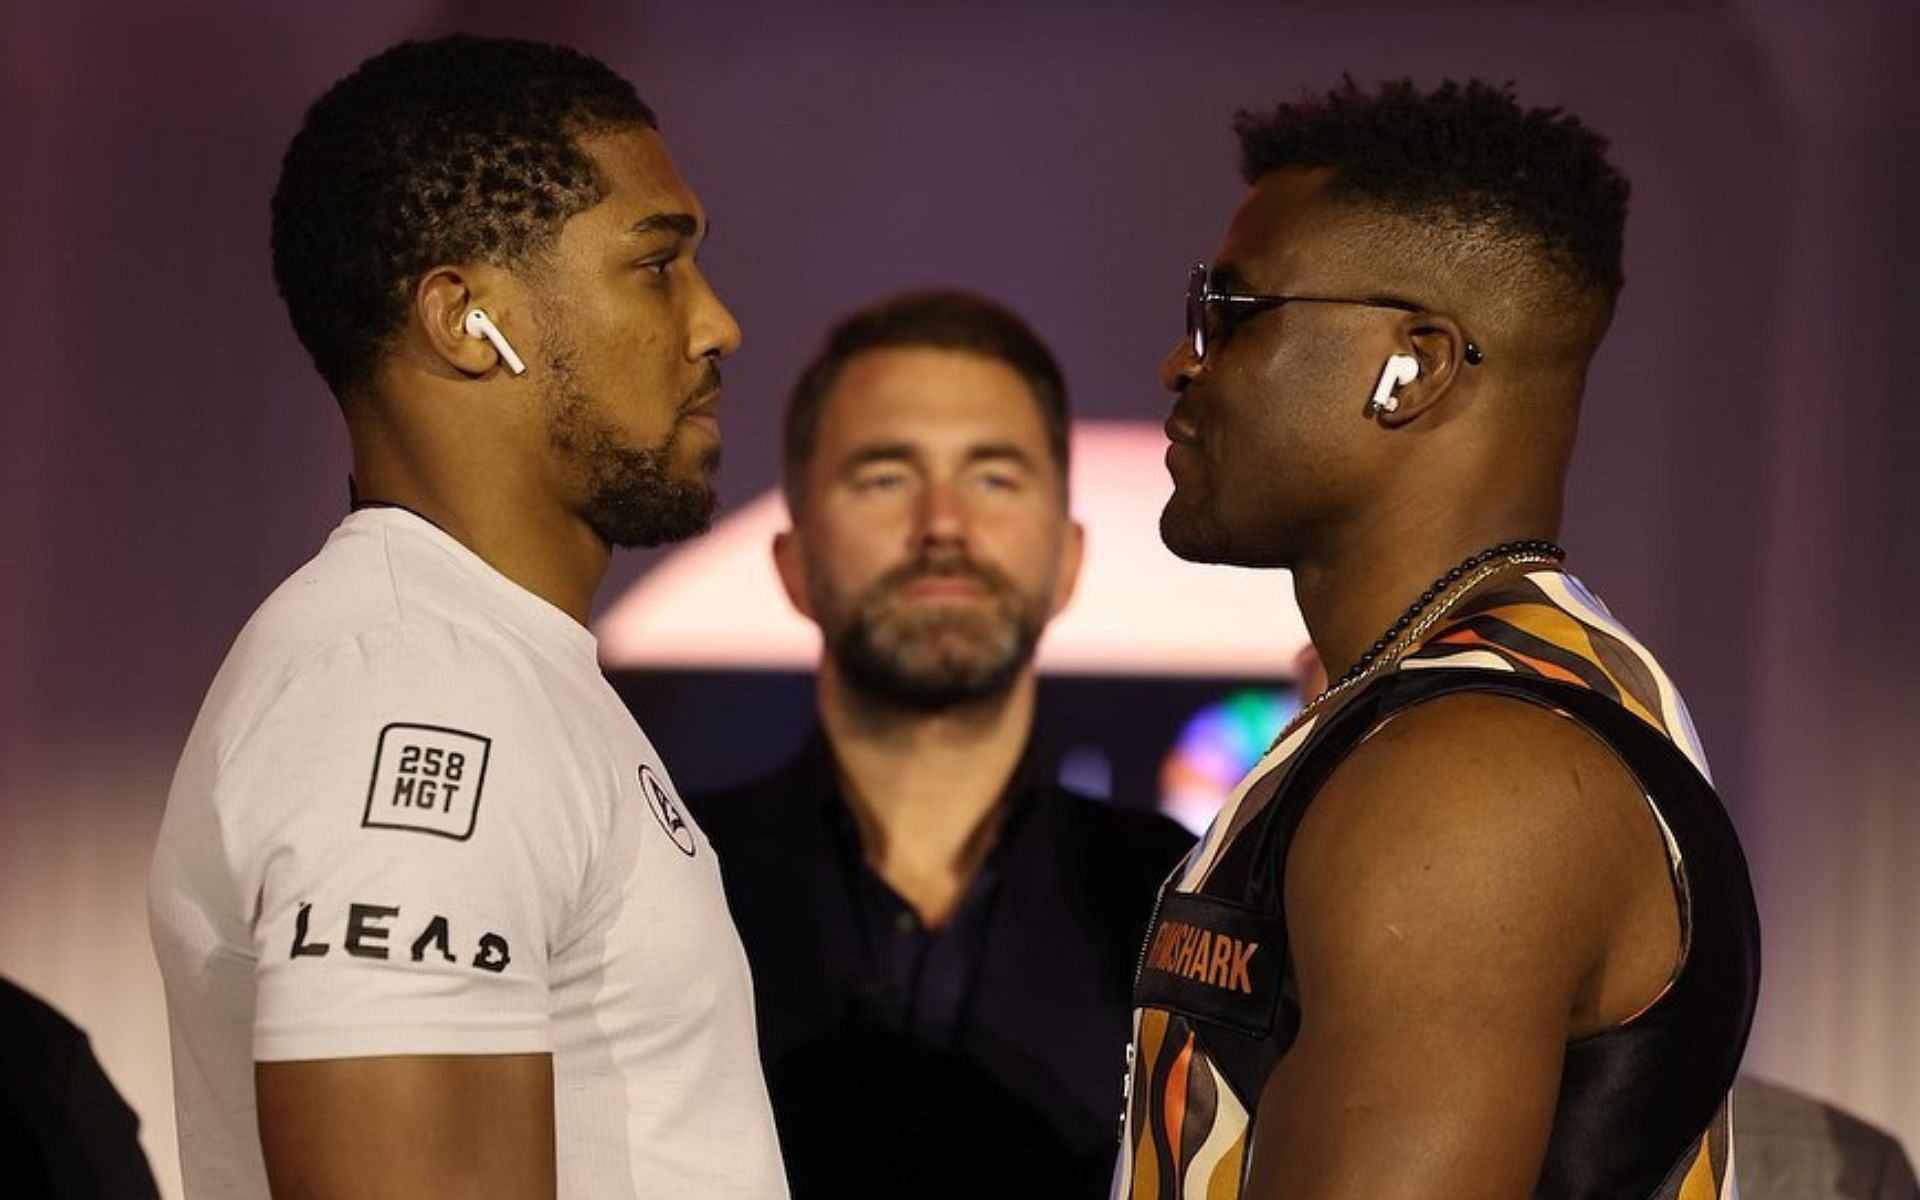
x=658, y=514
x=696, y=470
x=1188, y=535
x=694, y=482
x=1201, y=538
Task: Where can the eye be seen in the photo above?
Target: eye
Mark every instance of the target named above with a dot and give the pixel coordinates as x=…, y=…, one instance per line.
x=1224, y=317
x=658, y=265
x=890, y=479
x=997, y=481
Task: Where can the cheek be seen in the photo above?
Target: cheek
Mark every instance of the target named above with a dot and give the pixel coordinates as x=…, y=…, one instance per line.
x=847, y=561
x=629, y=356
x=651, y=348
x=1241, y=449
x=1022, y=547
x=1255, y=467
x=648, y=355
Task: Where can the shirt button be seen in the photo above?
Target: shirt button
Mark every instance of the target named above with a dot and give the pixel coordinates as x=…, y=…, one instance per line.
x=903, y=921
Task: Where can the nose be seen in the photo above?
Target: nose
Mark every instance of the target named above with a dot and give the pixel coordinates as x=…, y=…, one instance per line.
x=712, y=333
x=943, y=515
x=1179, y=367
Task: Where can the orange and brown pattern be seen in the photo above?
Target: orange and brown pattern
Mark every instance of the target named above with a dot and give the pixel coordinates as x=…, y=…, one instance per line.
x=1548, y=624
x=1185, y=1132
x=1196, y=1142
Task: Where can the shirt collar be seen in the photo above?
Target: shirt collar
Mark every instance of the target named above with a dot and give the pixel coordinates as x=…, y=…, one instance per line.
x=820, y=776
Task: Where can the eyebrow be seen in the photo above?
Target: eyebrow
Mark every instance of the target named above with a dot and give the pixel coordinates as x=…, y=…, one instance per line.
x=999, y=452
x=685, y=225
x=1227, y=278
x=907, y=452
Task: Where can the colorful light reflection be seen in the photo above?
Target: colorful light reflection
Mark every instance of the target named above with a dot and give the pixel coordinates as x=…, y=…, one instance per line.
x=1217, y=747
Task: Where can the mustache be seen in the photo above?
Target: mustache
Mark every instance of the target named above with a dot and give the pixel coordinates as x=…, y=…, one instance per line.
x=951, y=566
x=706, y=389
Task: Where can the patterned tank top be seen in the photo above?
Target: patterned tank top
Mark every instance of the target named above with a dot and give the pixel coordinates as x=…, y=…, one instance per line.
x=1643, y=1107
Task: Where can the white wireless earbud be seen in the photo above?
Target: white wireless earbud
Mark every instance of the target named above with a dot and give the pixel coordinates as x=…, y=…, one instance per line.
x=480, y=325
x=1401, y=369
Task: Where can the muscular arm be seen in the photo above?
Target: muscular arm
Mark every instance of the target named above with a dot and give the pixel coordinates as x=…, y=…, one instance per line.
x=1478, y=882
x=410, y=1127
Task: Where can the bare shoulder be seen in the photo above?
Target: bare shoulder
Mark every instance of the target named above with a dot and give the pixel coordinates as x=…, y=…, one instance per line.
x=1476, y=829
x=1466, y=743
x=1476, y=883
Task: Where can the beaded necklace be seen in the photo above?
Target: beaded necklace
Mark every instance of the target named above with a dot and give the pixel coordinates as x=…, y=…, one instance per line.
x=1469, y=574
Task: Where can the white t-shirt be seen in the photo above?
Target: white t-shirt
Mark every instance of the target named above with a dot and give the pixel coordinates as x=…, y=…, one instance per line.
x=413, y=818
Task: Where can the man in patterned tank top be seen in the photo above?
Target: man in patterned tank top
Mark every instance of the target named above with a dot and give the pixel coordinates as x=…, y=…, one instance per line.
x=1477, y=925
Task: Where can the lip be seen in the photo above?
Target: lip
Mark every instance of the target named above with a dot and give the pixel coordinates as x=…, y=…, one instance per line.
x=705, y=413
x=943, y=587
x=1179, y=461
x=1180, y=432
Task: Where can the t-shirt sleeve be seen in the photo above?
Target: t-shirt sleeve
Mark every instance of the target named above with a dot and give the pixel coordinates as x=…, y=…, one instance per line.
x=414, y=840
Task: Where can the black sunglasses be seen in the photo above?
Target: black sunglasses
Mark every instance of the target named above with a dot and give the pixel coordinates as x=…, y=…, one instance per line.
x=1211, y=312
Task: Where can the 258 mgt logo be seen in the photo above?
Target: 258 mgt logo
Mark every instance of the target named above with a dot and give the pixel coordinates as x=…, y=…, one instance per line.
x=427, y=779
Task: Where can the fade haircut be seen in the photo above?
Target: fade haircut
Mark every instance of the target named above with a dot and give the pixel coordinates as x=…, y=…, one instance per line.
x=934, y=318
x=460, y=149
x=1465, y=159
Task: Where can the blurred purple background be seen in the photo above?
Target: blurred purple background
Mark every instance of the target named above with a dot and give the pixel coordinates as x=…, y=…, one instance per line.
x=1741, y=494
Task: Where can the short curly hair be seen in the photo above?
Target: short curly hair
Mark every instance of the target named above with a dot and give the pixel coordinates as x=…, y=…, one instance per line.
x=459, y=149
x=1463, y=155
x=940, y=319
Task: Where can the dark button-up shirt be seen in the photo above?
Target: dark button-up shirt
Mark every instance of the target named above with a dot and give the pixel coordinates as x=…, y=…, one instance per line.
x=986, y=1057
x=920, y=977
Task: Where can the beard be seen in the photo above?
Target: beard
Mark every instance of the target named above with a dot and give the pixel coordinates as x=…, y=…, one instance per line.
x=934, y=656
x=632, y=497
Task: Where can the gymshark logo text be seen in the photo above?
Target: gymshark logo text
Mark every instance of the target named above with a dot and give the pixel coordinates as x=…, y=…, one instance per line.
x=1215, y=959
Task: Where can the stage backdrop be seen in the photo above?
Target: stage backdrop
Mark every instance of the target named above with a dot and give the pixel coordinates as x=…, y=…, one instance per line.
x=1741, y=495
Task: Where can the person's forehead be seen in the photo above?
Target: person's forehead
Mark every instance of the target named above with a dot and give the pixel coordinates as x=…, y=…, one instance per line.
x=1282, y=224
x=931, y=396
x=640, y=176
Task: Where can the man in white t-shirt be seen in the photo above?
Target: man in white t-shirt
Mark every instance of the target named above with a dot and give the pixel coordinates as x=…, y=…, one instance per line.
x=432, y=919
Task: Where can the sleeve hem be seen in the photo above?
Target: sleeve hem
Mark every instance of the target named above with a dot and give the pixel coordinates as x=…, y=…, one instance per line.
x=391, y=1041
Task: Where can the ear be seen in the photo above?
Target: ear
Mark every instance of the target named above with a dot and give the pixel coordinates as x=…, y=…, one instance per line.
x=1066, y=576
x=789, y=562
x=441, y=302
x=1439, y=345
